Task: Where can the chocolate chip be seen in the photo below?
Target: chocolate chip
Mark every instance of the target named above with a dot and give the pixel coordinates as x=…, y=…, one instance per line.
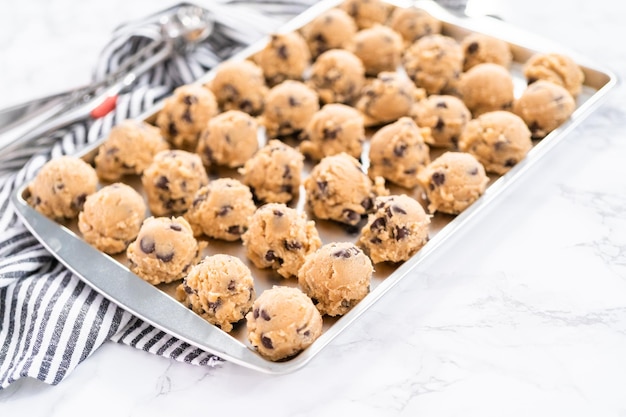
x=199, y=199
x=331, y=133
x=397, y=209
x=37, y=201
x=455, y=141
x=441, y=105
x=246, y=106
x=265, y=315
x=189, y=100
x=162, y=183
x=208, y=152
x=215, y=305
x=440, y=124
x=188, y=289
x=287, y=172
x=379, y=223
x=293, y=102
x=236, y=230
x=346, y=303
x=282, y=52
x=286, y=189
x=172, y=129
x=376, y=241
x=292, y=245
x=232, y=285
x=59, y=186
x=187, y=116
x=351, y=216
x=278, y=213
x=165, y=257
x=323, y=187
x=472, y=47
x=401, y=232
x=270, y=256
x=346, y=253
x=267, y=342
x=510, y=162
x=224, y=210
x=439, y=178
x=473, y=171
x=400, y=149
x=79, y=201
x=410, y=171
x=367, y=203
x=146, y=244
x=255, y=313
x=176, y=227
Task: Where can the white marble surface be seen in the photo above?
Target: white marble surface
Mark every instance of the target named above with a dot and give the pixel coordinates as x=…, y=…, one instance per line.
x=525, y=314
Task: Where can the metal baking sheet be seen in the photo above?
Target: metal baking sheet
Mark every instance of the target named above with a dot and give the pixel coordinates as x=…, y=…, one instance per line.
x=156, y=305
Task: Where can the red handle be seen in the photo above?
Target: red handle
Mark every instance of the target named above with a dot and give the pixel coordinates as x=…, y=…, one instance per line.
x=104, y=108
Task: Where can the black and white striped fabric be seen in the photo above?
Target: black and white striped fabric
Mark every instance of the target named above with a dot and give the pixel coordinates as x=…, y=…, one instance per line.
x=50, y=321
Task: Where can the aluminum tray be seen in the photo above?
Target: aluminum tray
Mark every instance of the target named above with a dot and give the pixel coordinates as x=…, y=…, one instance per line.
x=156, y=305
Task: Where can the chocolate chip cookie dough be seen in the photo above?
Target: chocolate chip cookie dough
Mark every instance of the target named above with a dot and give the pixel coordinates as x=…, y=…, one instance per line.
x=487, y=87
x=557, y=68
x=379, y=48
x=499, y=140
x=366, y=13
x=61, y=187
x=185, y=114
x=479, y=49
x=446, y=116
x=221, y=209
x=220, y=289
x=229, y=139
x=334, y=129
x=239, y=85
x=452, y=182
x=273, y=173
x=387, y=98
x=282, y=323
x=544, y=106
x=332, y=29
x=337, y=189
x=286, y=56
x=111, y=217
x=128, y=149
x=289, y=107
x=338, y=76
x=413, y=23
x=172, y=180
x=164, y=251
x=336, y=277
x=279, y=237
x=434, y=62
x=398, y=152
x=395, y=230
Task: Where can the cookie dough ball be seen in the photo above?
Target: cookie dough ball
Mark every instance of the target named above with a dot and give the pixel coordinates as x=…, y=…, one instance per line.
x=498, y=139
x=487, y=87
x=111, y=217
x=334, y=129
x=333, y=29
x=288, y=109
x=379, y=48
x=398, y=152
x=239, y=85
x=336, y=277
x=164, y=251
x=274, y=172
x=366, y=13
x=283, y=322
x=128, y=150
x=338, y=76
x=544, y=106
x=480, y=49
x=61, y=186
x=220, y=289
x=338, y=189
x=221, y=210
x=286, y=56
x=229, y=139
x=434, y=62
x=279, y=237
x=557, y=68
x=396, y=230
x=387, y=98
x=172, y=180
x=413, y=23
x=185, y=114
x=452, y=182
x=446, y=116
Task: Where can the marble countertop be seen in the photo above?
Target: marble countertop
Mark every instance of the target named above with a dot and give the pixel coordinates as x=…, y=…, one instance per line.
x=523, y=314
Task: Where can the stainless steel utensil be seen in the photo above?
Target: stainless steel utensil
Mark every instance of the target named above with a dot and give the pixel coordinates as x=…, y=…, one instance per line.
x=179, y=29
